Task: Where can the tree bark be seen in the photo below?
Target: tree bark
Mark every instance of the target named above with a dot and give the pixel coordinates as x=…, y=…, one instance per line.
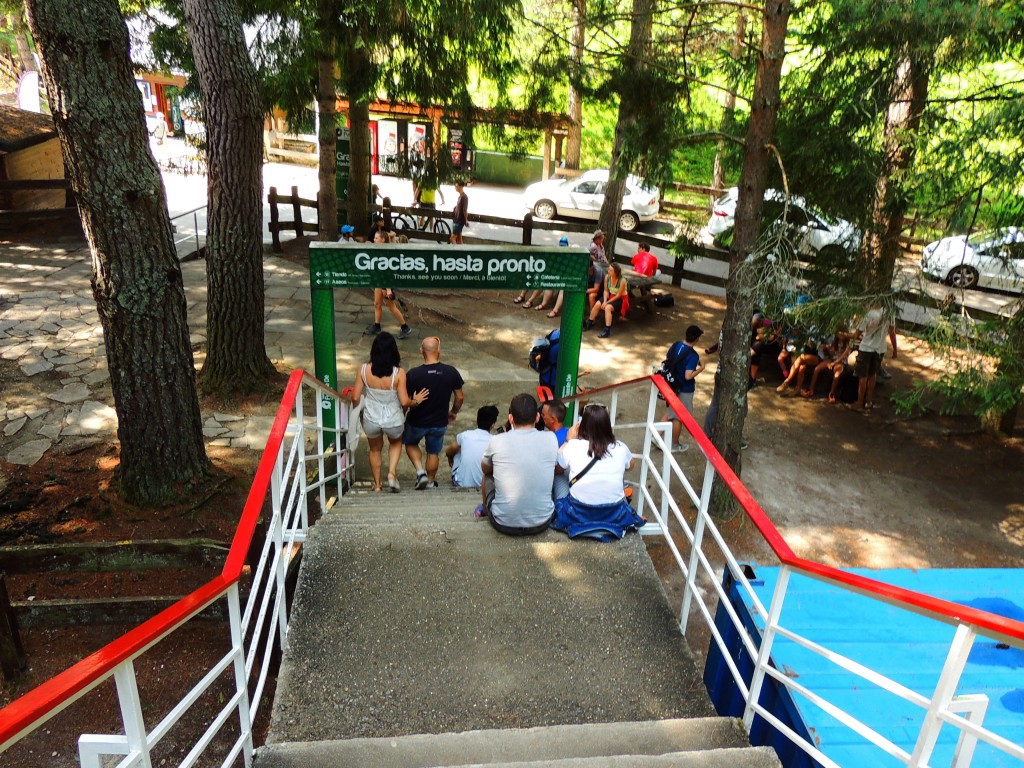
x=728, y=121
x=727, y=433
x=636, y=61
x=880, y=249
x=327, y=106
x=359, y=138
x=136, y=279
x=236, y=358
x=574, y=140
x=28, y=62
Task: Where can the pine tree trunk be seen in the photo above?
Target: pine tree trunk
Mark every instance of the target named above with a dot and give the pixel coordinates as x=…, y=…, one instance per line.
x=740, y=288
x=327, y=106
x=136, y=278
x=359, y=142
x=28, y=63
x=728, y=121
x=574, y=140
x=236, y=358
x=635, y=61
x=880, y=249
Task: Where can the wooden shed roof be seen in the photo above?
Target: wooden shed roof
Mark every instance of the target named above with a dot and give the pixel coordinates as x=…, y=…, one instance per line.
x=20, y=128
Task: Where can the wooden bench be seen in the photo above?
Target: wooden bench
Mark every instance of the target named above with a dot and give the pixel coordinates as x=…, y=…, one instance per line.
x=640, y=288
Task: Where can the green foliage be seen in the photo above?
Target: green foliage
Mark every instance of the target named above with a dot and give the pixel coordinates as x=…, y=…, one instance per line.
x=982, y=364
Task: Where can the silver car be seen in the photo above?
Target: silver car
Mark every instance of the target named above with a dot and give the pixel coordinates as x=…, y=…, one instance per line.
x=993, y=258
x=813, y=232
x=583, y=197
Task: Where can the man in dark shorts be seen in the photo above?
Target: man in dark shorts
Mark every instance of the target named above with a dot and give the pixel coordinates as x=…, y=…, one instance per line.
x=460, y=216
x=430, y=419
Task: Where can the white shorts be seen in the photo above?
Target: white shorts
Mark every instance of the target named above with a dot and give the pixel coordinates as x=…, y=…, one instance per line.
x=372, y=430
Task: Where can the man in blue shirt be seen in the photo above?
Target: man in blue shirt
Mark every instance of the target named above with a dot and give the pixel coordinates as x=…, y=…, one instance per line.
x=685, y=365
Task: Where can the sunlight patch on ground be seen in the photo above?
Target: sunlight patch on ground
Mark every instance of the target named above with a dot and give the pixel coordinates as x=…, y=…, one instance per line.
x=1012, y=526
x=839, y=546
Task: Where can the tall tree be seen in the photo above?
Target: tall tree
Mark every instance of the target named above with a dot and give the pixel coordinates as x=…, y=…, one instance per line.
x=633, y=75
x=327, y=110
x=574, y=106
x=732, y=385
x=728, y=122
x=136, y=280
x=236, y=358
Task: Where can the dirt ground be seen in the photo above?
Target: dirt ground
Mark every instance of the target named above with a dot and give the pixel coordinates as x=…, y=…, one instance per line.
x=877, y=490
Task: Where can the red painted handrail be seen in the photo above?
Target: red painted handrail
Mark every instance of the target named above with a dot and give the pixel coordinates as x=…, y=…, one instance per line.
x=942, y=610
x=58, y=692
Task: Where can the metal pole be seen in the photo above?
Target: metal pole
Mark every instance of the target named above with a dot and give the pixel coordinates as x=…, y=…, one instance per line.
x=952, y=670
x=652, y=405
x=241, y=681
x=698, y=542
x=764, y=653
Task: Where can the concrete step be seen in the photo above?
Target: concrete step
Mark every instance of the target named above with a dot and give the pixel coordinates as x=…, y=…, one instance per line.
x=685, y=743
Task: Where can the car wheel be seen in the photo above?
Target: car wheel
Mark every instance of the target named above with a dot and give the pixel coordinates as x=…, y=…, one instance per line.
x=962, y=277
x=628, y=221
x=544, y=209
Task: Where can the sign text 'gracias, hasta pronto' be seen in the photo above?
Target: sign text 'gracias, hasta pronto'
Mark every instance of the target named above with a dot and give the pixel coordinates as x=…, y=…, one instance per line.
x=401, y=262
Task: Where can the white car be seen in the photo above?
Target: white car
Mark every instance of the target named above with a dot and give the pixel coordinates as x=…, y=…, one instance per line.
x=583, y=196
x=993, y=258
x=814, y=232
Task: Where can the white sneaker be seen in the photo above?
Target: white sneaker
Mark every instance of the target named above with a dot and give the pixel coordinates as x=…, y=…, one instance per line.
x=680, y=448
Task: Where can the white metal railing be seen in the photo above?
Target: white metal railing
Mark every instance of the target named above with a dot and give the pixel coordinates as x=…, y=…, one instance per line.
x=704, y=555
x=299, y=445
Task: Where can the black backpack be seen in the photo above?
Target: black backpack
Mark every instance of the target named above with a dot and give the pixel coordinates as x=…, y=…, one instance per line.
x=544, y=357
x=673, y=367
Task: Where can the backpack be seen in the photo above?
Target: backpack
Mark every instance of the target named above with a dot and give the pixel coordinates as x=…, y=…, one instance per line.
x=671, y=369
x=544, y=357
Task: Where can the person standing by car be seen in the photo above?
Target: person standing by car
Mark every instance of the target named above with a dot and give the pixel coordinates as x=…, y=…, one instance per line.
x=460, y=216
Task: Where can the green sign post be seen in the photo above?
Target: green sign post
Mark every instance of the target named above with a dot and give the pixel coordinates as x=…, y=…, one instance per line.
x=342, y=168
x=403, y=265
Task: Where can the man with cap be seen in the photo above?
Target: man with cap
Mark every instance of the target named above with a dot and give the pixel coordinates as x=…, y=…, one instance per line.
x=685, y=365
x=346, y=232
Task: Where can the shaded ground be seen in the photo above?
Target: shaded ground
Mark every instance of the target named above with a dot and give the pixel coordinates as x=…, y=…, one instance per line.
x=861, y=491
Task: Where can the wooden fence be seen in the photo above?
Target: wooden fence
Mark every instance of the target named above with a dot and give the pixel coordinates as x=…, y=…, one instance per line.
x=684, y=268
x=18, y=220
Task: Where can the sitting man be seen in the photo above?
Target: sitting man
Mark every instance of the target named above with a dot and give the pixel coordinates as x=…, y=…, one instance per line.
x=521, y=464
x=552, y=413
x=465, y=454
x=644, y=262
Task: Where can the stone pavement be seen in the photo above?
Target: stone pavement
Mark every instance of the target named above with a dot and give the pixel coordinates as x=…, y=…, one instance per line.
x=56, y=386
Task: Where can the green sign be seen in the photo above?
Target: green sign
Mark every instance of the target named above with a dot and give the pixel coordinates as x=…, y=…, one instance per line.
x=404, y=265
x=397, y=265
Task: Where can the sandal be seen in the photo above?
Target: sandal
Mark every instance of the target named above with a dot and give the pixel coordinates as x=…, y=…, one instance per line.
x=539, y=307
x=806, y=393
x=553, y=313
x=526, y=305
x=831, y=399
x=518, y=299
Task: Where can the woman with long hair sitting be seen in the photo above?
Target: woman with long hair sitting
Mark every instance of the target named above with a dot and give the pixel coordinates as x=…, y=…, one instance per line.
x=381, y=383
x=616, y=299
x=596, y=464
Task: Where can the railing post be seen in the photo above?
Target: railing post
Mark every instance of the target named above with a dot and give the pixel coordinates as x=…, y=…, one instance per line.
x=275, y=220
x=195, y=225
x=952, y=670
x=528, y=229
x=764, y=652
x=321, y=466
x=297, y=211
x=277, y=531
x=300, y=463
x=698, y=542
x=241, y=679
x=131, y=712
x=652, y=406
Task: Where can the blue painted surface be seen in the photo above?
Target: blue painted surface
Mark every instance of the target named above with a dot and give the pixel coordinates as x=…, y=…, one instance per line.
x=903, y=646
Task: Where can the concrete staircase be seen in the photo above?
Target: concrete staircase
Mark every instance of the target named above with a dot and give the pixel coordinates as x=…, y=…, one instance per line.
x=421, y=637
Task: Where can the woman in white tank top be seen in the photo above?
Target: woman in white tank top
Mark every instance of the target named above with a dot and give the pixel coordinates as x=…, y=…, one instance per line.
x=380, y=386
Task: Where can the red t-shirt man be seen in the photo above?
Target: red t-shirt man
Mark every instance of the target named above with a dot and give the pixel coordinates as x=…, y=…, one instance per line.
x=645, y=262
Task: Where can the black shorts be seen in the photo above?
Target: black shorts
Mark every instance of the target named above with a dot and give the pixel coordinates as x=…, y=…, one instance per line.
x=868, y=364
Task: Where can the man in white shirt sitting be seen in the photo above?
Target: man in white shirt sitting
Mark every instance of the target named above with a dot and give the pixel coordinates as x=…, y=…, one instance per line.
x=466, y=453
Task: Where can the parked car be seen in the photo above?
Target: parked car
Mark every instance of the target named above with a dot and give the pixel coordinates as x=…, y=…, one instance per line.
x=993, y=258
x=583, y=197
x=813, y=232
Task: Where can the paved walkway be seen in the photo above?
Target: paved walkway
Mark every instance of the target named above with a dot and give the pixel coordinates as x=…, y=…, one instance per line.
x=56, y=386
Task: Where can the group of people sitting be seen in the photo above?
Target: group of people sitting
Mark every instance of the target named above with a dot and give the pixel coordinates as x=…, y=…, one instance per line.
x=852, y=358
